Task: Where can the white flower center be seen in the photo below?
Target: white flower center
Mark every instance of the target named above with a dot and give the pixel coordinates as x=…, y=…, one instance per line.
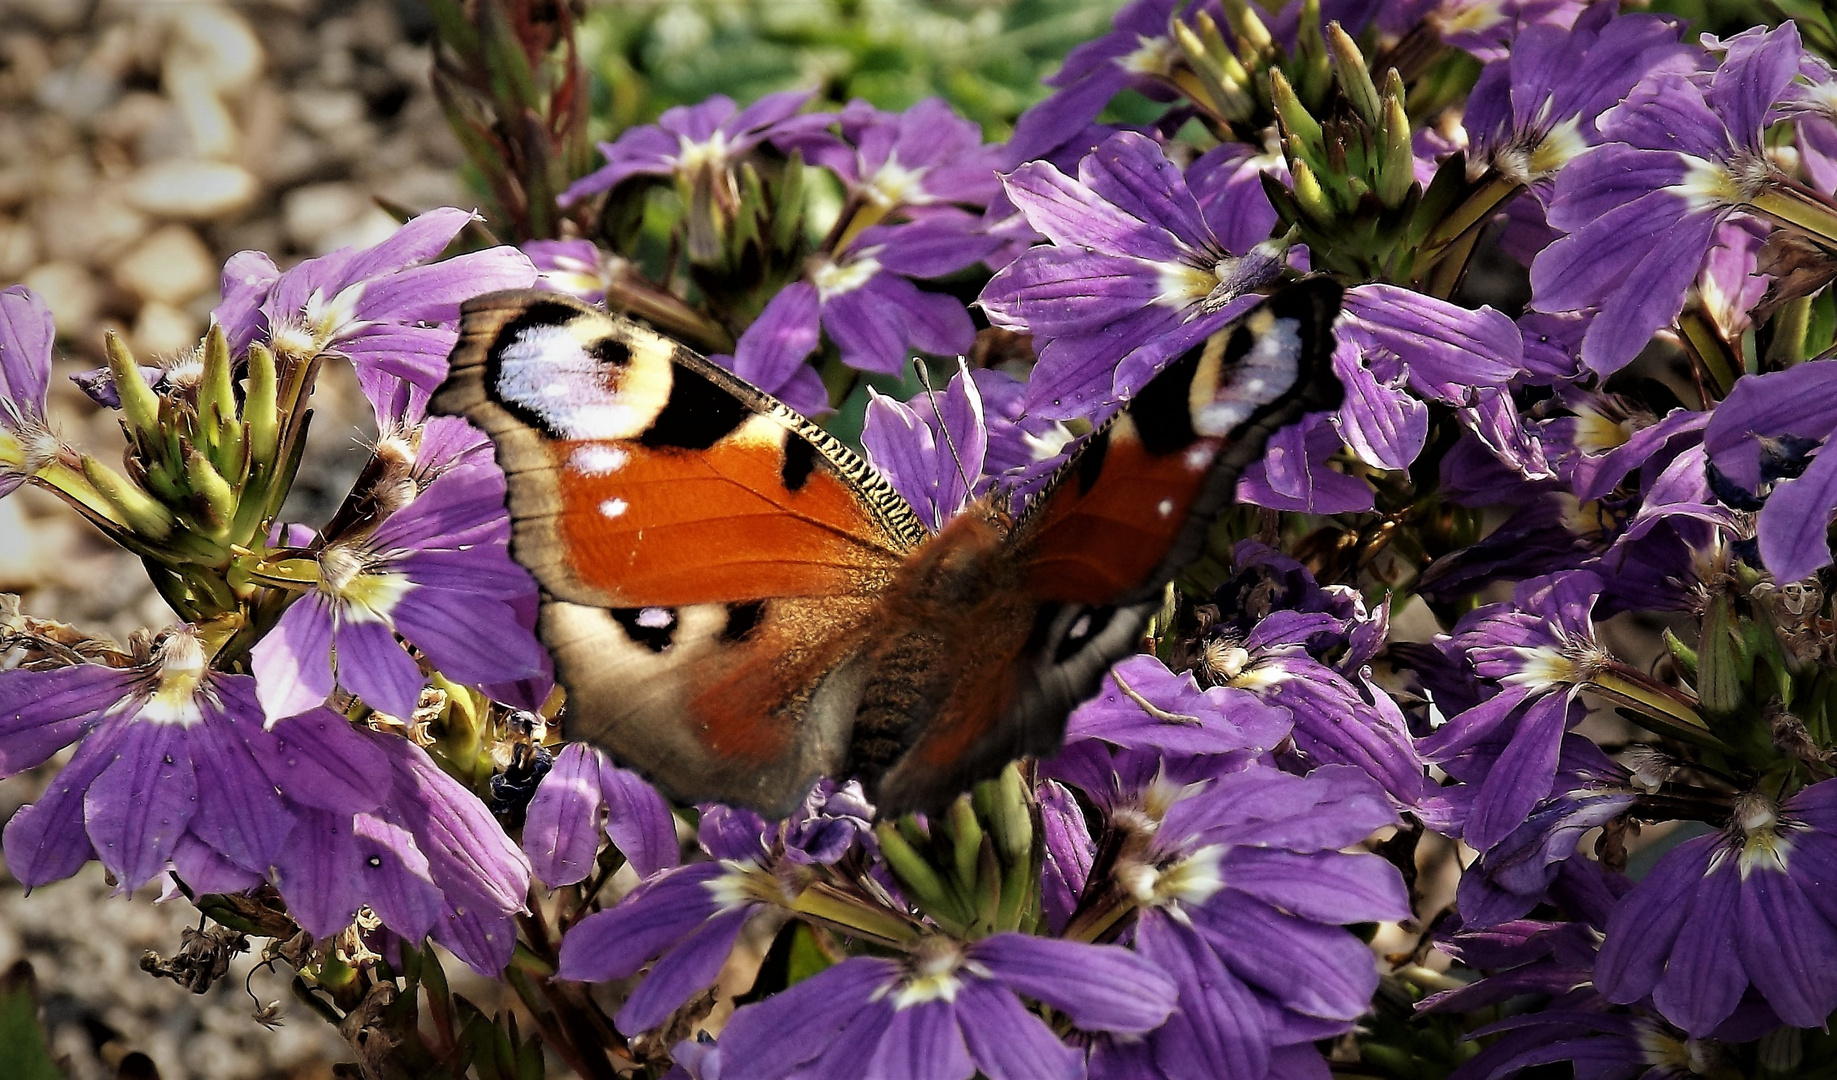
x=895, y=185
x=833, y=279
x=181, y=676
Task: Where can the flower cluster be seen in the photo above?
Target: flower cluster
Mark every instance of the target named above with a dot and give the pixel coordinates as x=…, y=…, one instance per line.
x=1550, y=583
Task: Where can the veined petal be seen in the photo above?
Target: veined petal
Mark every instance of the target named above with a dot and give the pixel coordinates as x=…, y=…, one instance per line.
x=1099, y=987
x=561, y=833
x=136, y=809
x=691, y=966
x=372, y=665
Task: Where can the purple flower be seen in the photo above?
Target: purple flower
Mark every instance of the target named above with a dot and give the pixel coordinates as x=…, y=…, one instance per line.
x=1142, y=704
x=26, y=336
x=1748, y=905
x=932, y=448
x=1392, y=342
x=1642, y=209
x=695, y=142
x=173, y=768
x=946, y=1010
x=864, y=299
x=385, y=309
x=1513, y=876
x=683, y=922
x=1536, y=108
x=1757, y=440
x=1537, y=651
x=1492, y=29
x=1135, y=275
x=925, y=156
x=584, y=797
x=1240, y=890
x=379, y=825
x=437, y=571
x=1137, y=53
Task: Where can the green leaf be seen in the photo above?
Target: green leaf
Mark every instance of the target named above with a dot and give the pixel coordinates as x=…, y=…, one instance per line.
x=24, y=1049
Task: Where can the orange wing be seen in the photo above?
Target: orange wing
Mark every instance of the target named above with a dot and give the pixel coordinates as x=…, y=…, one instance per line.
x=1093, y=552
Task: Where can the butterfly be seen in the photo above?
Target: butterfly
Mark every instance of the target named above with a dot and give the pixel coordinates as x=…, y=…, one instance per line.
x=738, y=604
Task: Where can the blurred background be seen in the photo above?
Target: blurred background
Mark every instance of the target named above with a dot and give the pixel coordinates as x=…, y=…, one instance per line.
x=142, y=142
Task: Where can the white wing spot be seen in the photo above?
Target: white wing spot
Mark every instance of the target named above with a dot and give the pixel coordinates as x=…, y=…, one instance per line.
x=656, y=618
x=1199, y=455
x=597, y=460
x=612, y=508
x=1080, y=629
x=1165, y=507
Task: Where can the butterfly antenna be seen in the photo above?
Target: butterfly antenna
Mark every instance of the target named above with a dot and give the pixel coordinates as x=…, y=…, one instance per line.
x=931, y=395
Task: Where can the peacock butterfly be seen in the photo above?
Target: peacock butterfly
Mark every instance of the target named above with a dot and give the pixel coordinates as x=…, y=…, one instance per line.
x=738, y=604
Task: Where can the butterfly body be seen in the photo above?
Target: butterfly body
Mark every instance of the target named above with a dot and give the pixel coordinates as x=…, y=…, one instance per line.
x=738, y=604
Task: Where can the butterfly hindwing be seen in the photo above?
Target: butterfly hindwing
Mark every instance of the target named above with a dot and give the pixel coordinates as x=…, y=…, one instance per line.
x=1093, y=552
x=708, y=558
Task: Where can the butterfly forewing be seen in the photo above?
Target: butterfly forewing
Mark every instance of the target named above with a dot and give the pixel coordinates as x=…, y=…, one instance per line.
x=1128, y=512
x=708, y=558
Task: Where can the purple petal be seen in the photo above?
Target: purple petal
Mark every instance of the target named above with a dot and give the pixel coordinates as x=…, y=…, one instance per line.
x=1068, y=852
x=690, y=967
x=615, y=943
x=26, y=335
x=293, y=662
x=239, y=812
x=45, y=841
x=1644, y=927
x=468, y=638
x=320, y=760
x=1053, y=291
x=484, y=940
x=561, y=833
x=639, y=821
x=1215, y=720
x=419, y=239
x=1131, y=173
x=1789, y=950
x=1328, y=886
x=465, y=845
x=776, y=344
x=770, y=1039
x=922, y=1043
x=1801, y=401
x=318, y=872
x=1216, y=1030
x=1099, y=987
x=1522, y=776
x=1072, y=216
x=247, y=277
x=1704, y=979
x=1651, y=296
x=1319, y=971
x=138, y=807
x=1755, y=71
x=43, y=711
x=1383, y=426
x=1006, y=1041
x=397, y=881
x=373, y=666
x=1445, y=347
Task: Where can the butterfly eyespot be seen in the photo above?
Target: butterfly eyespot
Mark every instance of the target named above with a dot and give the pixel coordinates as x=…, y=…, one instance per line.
x=652, y=627
x=612, y=508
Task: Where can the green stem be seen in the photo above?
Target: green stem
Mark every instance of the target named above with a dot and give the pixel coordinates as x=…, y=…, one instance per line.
x=1794, y=204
